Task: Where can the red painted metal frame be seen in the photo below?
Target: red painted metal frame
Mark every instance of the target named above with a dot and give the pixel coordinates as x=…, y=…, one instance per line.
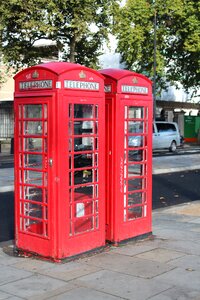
x=117, y=227
x=58, y=243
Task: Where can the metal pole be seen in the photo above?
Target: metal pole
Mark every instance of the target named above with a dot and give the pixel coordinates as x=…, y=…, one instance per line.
x=154, y=63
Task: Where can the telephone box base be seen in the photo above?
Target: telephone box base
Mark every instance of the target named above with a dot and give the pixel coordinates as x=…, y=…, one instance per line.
x=148, y=235
x=22, y=253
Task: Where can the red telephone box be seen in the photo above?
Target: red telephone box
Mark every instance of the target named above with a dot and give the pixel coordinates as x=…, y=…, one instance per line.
x=59, y=160
x=128, y=154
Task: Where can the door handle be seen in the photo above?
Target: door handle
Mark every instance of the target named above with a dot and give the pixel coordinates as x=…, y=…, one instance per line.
x=50, y=162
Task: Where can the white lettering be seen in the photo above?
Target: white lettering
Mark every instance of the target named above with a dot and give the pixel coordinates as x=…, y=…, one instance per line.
x=82, y=85
x=37, y=84
x=134, y=89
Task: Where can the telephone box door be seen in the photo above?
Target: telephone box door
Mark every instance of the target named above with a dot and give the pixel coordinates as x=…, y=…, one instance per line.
x=135, y=169
x=33, y=163
x=86, y=206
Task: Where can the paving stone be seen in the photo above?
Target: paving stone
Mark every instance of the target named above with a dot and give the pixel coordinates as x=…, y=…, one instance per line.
x=132, y=249
x=161, y=214
x=33, y=265
x=177, y=234
x=36, y=285
x=184, y=246
x=122, y=285
x=187, y=262
x=177, y=294
x=189, y=226
x=8, y=296
x=70, y=270
x=85, y=293
x=161, y=255
x=182, y=278
x=129, y=265
x=10, y=274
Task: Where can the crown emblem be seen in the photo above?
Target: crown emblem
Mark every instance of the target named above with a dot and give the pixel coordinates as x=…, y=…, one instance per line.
x=35, y=74
x=135, y=80
x=82, y=74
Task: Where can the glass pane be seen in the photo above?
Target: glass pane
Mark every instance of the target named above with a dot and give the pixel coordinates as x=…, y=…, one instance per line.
x=135, y=141
x=84, y=176
x=83, y=193
x=83, y=160
x=32, y=177
x=135, y=184
x=33, y=111
x=33, y=210
x=33, y=127
x=83, y=225
x=134, y=212
x=83, y=144
x=33, y=161
x=83, y=127
x=135, y=198
x=134, y=170
x=134, y=155
x=83, y=111
x=33, y=144
x=135, y=112
x=135, y=127
x=33, y=193
x=34, y=226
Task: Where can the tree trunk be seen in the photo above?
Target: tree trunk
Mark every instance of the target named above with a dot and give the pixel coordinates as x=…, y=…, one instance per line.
x=72, y=49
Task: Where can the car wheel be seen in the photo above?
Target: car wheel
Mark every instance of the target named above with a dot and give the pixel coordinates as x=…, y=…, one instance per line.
x=172, y=147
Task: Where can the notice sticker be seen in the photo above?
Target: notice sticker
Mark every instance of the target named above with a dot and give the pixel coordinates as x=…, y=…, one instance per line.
x=80, y=210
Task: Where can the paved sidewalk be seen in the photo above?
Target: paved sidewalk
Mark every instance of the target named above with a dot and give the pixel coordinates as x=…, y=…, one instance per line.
x=164, y=267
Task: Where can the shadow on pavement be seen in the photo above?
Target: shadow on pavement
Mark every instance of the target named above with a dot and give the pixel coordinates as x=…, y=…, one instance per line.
x=7, y=216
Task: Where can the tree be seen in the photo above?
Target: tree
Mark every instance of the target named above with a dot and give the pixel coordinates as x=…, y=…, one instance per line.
x=177, y=37
x=78, y=27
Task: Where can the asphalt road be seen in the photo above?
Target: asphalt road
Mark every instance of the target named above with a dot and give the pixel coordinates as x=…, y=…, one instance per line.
x=176, y=188
x=168, y=189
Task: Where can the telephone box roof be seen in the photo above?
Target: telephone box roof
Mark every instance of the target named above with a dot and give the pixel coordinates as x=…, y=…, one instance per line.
x=118, y=74
x=59, y=68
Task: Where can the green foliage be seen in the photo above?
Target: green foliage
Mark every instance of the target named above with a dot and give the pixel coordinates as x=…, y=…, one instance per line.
x=68, y=23
x=177, y=37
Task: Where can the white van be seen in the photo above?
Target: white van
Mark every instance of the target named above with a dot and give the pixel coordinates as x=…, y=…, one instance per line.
x=166, y=135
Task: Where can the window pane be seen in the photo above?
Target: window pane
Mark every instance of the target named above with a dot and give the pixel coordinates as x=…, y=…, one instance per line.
x=134, y=155
x=83, y=111
x=135, y=112
x=83, y=127
x=84, y=225
x=33, y=161
x=33, y=127
x=135, y=127
x=33, y=144
x=33, y=210
x=83, y=160
x=135, y=184
x=134, y=212
x=33, y=193
x=33, y=111
x=84, y=143
x=84, y=176
x=32, y=177
x=135, y=198
x=134, y=170
x=83, y=193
